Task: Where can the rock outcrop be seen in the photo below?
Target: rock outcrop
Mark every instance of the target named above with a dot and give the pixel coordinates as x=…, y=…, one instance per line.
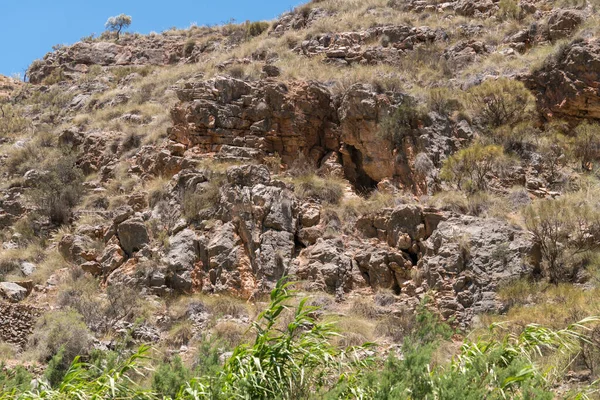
x=467, y=259
x=8, y=86
x=133, y=50
x=133, y=235
x=562, y=23
x=372, y=46
x=258, y=118
x=567, y=85
x=12, y=206
x=297, y=19
x=245, y=121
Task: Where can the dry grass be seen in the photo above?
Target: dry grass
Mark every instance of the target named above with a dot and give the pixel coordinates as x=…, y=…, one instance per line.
x=181, y=334
x=231, y=333
x=7, y=351
x=52, y=262
x=11, y=259
x=354, y=331
x=328, y=189
x=550, y=305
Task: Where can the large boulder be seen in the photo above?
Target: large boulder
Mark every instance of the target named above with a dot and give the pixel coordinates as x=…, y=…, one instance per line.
x=12, y=292
x=400, y=227
x=77, y=248
x=129, y=50
x=182, y=259
x=133, y=235
x=467, y=259
x=370, y=156
x=562, y=23
x=328, y=266
x=112, y=257
x=229, y=268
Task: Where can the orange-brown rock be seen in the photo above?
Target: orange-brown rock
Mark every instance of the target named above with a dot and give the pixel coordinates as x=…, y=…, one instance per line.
x=269, y=117
x=568, y=85
x=245, y=121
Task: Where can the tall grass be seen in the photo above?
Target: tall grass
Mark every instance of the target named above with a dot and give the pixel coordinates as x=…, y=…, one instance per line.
x=297, y=360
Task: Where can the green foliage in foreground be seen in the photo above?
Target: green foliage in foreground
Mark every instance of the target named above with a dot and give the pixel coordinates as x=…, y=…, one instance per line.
x=297, y=360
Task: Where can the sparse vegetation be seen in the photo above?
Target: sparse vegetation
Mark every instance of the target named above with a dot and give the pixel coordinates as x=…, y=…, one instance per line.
x=403, y=120
x=202, y=198
x=586, y=146
x=328, y=190
x=502, y=101
x=256, y=28
x=118, y=23
x=59, y=189
x=301, y=363
x=469, y=168
x=565, y=229
x=59, y=337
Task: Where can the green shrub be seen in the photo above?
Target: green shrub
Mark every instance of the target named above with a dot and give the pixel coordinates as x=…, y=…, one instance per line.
x=207, y=358
x=256, y=28
x=586, y=145
x=328, y=190
x=121, y=72
x=564, y=228
x=296, y=361
x=170, y=377
x=52, y=101
x=509, y=9
x=189, y=47
x=22, y=159
x=407, y=117
x=59, y=190
x=11, y=119
x=468, y=168
x=553, y=148
x=57, y=368
x=443, y=101
x=514, y=138
x=57, y=76
x=16, y=379
x=181, y=333
x=121, y=303
x=58, y=330
x=500, y=101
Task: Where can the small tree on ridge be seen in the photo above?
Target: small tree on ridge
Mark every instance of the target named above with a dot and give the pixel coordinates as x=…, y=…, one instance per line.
x=118, y=23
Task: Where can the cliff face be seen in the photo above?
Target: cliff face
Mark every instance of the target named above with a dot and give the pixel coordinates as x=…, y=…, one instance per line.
x=228, y=117
x=344, y=146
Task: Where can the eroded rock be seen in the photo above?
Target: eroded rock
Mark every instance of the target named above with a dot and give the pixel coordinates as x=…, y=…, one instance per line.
x=567, y=85
x=467, y=259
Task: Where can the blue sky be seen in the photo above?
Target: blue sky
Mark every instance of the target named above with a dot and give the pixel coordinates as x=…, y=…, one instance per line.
x=29, y=29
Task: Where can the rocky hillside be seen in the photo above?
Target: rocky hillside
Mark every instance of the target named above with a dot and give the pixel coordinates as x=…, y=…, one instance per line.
x=385, y=155
x=8, y=86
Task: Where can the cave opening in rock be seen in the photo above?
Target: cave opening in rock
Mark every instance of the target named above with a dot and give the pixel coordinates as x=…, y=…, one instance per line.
x=414, y=258
x=353, y=169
